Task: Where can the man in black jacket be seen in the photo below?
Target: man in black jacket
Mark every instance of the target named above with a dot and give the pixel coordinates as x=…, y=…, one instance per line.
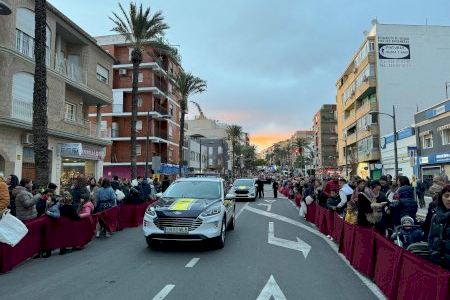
x=275, y=188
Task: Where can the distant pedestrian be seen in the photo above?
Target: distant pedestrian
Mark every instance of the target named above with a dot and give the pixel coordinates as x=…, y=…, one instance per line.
x=165, y=183
x=275, y=188
x=260, y=188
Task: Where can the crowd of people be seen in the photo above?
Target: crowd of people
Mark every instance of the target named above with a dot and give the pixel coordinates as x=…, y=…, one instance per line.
x=390, y=206
x=27, y=200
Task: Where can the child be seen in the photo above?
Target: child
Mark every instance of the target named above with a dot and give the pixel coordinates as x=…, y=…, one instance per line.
x=87, y=207
x=41, y=205
x=66, y=209
x=409, y=235
x=334, y=200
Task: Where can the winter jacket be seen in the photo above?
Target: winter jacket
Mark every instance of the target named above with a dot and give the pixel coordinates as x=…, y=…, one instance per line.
x=53, y=211
x=115, y=185
x=439, y=237
x=106, y=198
x=86, y=210
x=69, y=211
x=146, y=190
x=25, y=203
x=405, y=206
x=77, y=195
x=12, y=202
x=4, y=195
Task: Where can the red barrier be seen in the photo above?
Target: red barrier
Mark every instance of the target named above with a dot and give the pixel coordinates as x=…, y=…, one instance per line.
x=65, y=233
x=420, y=279
x=321, y=220
x=298, y=199
x=109, y=219
x=26, y=248
x=311, y=212
x=363, y=250
x=329, y=223
x=338, y=228
x=127, y=216
x=387, y=263
x=346, y=246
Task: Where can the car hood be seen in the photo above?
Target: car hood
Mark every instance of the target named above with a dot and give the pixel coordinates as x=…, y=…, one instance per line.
x=183, y=207
x=242, y=188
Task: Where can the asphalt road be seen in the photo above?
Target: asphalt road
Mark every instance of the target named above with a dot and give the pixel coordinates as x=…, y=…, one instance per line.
x=122, y=267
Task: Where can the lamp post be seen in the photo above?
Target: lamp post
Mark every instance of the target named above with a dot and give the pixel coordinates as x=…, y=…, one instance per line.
x=395, y=136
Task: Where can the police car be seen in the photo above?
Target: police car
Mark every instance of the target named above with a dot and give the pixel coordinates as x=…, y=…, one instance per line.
x=244, y=188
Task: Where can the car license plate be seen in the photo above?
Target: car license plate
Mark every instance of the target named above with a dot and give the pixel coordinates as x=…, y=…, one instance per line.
x=177, y=230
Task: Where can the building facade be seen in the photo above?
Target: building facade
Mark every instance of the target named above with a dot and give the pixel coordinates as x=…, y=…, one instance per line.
x=325, y=140
x=433, y=140
x=78, y=79
x=405, y=66
x=158, y=109
x=406, y=149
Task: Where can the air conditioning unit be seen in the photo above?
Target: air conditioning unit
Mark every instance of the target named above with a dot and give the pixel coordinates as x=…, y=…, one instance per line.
x=27, y=139
x=123, y=72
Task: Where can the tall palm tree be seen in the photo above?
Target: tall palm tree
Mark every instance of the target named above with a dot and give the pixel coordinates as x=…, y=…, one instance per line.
x=186, y=85
x=140, y=28
x=234, y=133
x=40, y=121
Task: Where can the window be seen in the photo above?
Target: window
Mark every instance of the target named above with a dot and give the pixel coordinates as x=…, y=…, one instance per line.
x=171, y=109
x=141, y=77
x=139, y=125
x=138, y=150
x=170, y=131
x=130, y=50
x=71, y=112
x=22, y=96
x=427, y=141
x=210, y=151
x=139, y=104
x=170, y=153
x=102, y=74
x=445, y=136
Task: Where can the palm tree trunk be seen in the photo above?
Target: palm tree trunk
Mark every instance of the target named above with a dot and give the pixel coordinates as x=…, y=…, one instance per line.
x=181, y=142
x=40, y=122
x=136, y=57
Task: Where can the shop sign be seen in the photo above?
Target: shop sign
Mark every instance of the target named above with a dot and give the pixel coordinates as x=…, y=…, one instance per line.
x=435, y=159
x=394, y=51
x=79, y=150
x=71, y=149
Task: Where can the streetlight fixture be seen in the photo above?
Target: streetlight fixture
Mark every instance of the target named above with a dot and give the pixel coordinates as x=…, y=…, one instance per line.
x=395, y=135
x=4, y=9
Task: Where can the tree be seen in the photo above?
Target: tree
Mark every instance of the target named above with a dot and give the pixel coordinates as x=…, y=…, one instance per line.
x=186, y=85
x=261, y=162
x=40, y=119
x=234, y=133
x=140, y=28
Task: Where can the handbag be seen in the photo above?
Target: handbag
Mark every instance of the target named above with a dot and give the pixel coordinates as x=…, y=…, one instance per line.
x=12, y=230
x=120, y=195
x=303, y=209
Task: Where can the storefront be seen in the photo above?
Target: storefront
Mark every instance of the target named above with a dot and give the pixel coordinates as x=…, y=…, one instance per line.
x=434, y=164
x=80, y=159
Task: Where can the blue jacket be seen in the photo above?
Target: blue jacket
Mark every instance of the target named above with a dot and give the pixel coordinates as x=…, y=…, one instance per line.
x=406, y=206
x=106, y=195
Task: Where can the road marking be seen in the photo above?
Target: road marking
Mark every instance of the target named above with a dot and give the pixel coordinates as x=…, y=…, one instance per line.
x=298, y=245
x=271, y=290
x=192, y=262
x=269, y=206
x=270, y=201
x=372, y=286
x=242, y=209
x=164, y=292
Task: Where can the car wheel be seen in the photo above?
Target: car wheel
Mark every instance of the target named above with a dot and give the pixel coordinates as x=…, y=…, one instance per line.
x=233, y=220
x=219, y=242
x=152, y=244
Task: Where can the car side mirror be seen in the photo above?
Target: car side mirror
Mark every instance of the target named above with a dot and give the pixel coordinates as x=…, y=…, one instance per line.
x=230, y=197
x=159, y=195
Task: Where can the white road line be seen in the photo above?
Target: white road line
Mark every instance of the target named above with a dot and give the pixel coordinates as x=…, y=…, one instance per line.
x=164, y=292
x=269, y=206
x=192, y=262
x=371, y=285
x=242, y=209
x=271, y=290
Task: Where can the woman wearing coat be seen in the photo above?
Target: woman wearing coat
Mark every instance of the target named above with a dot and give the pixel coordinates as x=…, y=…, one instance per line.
x=106, y=198
x=25, y=202
x=405, y=205
x=370, y=212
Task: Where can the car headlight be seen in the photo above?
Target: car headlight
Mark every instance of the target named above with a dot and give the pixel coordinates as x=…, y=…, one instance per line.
x=211, y=211
x=150, y=211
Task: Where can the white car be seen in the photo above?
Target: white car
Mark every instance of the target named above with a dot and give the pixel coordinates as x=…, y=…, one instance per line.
x=191, y=209
x=244, y=188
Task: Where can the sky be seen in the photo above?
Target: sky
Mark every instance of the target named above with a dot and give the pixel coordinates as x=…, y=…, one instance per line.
x=269, y=64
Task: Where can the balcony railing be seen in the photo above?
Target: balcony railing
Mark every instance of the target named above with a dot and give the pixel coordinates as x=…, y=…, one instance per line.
x=22, y=110
x=25, y=46
x=71, y=70
x=160, y=109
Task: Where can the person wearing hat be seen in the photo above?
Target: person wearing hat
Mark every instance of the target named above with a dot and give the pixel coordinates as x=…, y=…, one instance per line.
x=408, y=234
x=435, y=191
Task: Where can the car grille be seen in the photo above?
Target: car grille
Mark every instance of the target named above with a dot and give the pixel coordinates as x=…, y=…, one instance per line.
x=241, y=192
x=192, y=223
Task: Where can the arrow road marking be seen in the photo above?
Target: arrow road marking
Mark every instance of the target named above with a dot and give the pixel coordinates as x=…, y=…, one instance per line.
x=270, y=201
x=271, y=289
x=192, y=262
x=298, y=245
x=269, y=206
x=164, y=292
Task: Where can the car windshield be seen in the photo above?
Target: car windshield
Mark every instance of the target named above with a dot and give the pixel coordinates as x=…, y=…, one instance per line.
x=243, y=182
x=194, y=189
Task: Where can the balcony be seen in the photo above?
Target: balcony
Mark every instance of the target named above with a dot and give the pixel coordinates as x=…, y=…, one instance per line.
x=70, y=70
x=367, y=87
x=155, y=135
x=365, y=108
x=22, y=110
x=25, y=46
x=371, y=155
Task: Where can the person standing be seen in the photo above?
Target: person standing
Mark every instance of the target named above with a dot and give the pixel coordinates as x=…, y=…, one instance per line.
x=165, y=183
x=260, y=188
x=106, y=198
x=12, y=181
x=420, y=192
x=25, y=202
x=79, y=192
x=275, y=188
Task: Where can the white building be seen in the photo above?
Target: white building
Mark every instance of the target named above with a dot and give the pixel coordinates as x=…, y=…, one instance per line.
x=405, y=144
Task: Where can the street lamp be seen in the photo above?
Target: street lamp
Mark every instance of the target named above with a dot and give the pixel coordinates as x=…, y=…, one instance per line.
x=395, y=136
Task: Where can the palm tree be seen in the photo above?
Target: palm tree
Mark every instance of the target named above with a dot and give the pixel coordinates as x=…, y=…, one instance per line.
x=234, y=133
x=140, y=29
x=186, y=85
x=40, y=120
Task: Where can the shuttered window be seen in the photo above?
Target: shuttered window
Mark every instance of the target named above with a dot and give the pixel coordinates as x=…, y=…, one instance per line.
x=102, y=74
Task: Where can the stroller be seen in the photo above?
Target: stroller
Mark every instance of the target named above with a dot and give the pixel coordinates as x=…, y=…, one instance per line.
x=411, y=240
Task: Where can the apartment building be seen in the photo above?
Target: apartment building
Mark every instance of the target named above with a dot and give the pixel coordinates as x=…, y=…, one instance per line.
x=158, y=109
x=325, y=140
x=405, y=66
x=78, y=78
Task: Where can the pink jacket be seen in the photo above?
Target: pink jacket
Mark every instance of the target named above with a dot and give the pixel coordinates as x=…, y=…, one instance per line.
x=86, y=210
